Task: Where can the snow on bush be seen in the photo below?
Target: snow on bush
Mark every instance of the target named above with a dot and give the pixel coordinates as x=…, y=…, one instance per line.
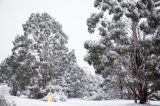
x=56, y=92
x=56, y=97
x=36, y=92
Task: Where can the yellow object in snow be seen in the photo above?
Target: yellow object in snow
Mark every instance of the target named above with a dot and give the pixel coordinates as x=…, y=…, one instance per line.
x=49, y=98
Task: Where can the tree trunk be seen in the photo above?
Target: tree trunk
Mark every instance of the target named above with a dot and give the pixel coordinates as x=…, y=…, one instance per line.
x=143, y=100
x=121, y=88
x=14, y=89
x=14, y=93
x=43, y=81
x=142, y=90
x=143, y=95
x=135, y=99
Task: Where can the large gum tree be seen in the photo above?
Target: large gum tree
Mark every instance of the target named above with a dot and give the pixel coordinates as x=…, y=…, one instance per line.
x=128, y=50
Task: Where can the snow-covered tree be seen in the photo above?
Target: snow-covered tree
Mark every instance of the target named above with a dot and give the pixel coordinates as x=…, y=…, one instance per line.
x=71, y=82
x=8, y=75
x=4, y=71
x=94, y=88
x=21, y=64
x=128, y=46
x=58, y=71
x=39, y=56
x=49, y=44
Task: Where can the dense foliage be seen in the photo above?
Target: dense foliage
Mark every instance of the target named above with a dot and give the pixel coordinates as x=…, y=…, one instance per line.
x=41, y=63
x=128, y=50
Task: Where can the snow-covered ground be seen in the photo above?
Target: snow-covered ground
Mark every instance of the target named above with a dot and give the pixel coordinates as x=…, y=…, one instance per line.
x=20, y=101
x=75, y=102
x=4, y=89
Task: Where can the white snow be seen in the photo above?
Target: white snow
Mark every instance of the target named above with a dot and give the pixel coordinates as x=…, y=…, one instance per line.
x=4, y=89
x=20, y=101
x=76, y=102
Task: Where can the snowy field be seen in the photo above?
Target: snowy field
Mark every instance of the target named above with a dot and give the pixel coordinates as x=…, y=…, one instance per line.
x=20, y=101
x=75, y=102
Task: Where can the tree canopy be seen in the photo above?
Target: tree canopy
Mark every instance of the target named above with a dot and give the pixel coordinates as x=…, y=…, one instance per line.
x=128, y=48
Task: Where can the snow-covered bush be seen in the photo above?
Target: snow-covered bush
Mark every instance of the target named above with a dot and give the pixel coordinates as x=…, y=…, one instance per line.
x=93, y=90
x=111, y=90
x=24, y=93
x=36, y=92
x=56, y=92
x=156, y=96
x=56, y=97
x=99, y=94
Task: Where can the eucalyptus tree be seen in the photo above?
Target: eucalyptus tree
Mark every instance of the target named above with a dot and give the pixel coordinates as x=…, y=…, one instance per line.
x=128, y=48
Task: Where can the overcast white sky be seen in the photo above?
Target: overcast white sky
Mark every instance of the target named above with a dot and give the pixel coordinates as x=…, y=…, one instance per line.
x=72, y=14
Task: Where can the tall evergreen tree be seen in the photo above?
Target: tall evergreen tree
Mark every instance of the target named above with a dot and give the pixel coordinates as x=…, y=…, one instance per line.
x=22, y=64
x=49, y=44
x=127, y=48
